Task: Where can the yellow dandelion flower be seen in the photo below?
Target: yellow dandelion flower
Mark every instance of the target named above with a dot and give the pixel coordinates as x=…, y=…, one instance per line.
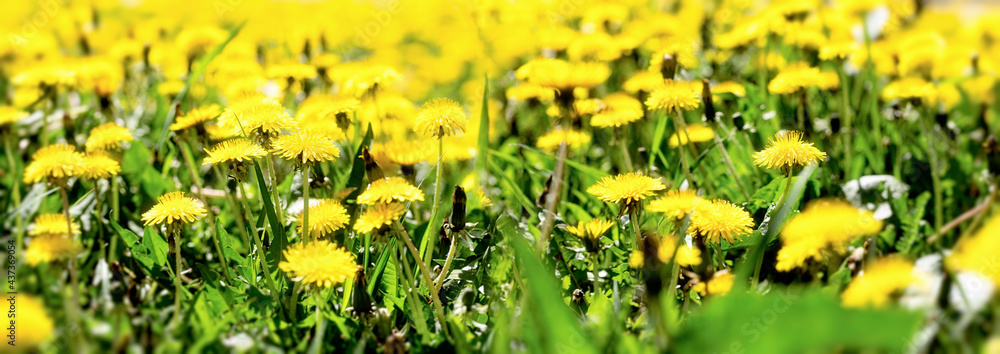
x=562, y=75
x=388, y=190
x=52, y=225
x=174, y=208
x=323, y=127
x=378, y=216
x=676, y=204
x=719, y=220
x=823, y=225
x=786, y=150
x=325, y=217
x=10, y=115
x=720, y=283
x=262, y=118
x=590, y=232
x=34, y=326
x=107, y=136
x=97, y=166
x=643, y=81
x=876, y=286
x=49, y=248
x=978, y=253
x=53, y=162
x=196, y=116
x=626, y=188
x=673, y=96
x=693, y=132
x=910, y=88
x=402, y=152
x=441, y=117
x=234, y=151
x=320, y=263
x=170, y=87
x=551, y=140
x=304, y=147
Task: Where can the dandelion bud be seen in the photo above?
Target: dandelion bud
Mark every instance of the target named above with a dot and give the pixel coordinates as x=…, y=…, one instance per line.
x=669, y=66
x=458, y=210
x=706, y=100
x=360, y=299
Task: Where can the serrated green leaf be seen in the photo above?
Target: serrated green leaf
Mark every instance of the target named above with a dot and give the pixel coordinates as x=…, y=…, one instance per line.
x=158, y=247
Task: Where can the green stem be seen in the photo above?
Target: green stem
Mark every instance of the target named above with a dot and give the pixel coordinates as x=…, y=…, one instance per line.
x=260, y=250
x=306, y=234
x=679, y=128
x=846, y=116
x=234, y=205
x=447, y=263
x=427, y=242
x=113, y=189
x=177, y=276
x=624, y=147
x=15, y=191
x=274, y=188
x=552, y=198
x=759, y=262
x=633, y=214
x=189, y=161
x=438, y=308
x=73, y=303
x=730, y=166
x=935, y=173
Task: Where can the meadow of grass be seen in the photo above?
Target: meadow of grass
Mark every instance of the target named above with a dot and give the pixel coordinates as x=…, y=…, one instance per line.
x=500, y=176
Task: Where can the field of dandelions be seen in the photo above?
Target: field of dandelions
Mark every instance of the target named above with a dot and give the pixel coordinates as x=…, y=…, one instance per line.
x=564, y=176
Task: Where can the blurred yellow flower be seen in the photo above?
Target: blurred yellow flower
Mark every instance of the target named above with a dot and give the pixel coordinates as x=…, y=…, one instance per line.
x=53, y=225
x=693, y=132
x=196, y=116
x=551, y=140
x=34, y=326
x=879, y=281
x=909, y=88
x=720, y=283
x=562, y=75
x=823, y=225
x=978, y=253
x=10, y=115
x=676, y=204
